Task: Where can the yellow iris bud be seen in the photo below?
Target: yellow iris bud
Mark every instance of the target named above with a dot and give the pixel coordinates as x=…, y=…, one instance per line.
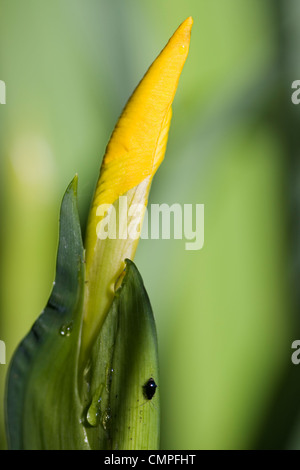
x=134, y=153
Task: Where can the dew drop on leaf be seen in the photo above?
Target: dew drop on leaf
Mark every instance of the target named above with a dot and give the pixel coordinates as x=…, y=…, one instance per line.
x=106, y=419
x=66, y=329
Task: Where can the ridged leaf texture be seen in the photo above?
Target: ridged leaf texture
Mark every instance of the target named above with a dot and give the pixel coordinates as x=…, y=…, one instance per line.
x=55, y=402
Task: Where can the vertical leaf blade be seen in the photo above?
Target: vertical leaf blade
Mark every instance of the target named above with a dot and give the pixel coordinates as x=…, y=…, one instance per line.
x=42, y=402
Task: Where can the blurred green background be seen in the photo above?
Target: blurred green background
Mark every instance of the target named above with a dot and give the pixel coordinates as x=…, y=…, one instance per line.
x=227, y=314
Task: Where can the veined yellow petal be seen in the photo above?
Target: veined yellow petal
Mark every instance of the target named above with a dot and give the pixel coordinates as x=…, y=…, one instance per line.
x=133, y=145
x=133, y=154
x=138, y=142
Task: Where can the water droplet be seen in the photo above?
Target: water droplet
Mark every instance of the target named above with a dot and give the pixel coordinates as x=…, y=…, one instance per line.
x=106, y=418
x=93, y=415
x=94, y=411
x=66, y=329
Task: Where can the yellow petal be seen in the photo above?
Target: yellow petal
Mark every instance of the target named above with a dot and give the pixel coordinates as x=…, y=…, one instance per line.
x=138, y=143
x=132, y=151
x=133, y=154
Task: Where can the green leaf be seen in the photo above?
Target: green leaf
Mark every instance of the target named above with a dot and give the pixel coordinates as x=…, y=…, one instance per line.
x=51, y=402
x=126, y=418
x=42, y=402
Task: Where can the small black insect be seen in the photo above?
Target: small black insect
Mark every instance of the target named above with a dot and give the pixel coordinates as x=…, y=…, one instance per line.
x=149, y=389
